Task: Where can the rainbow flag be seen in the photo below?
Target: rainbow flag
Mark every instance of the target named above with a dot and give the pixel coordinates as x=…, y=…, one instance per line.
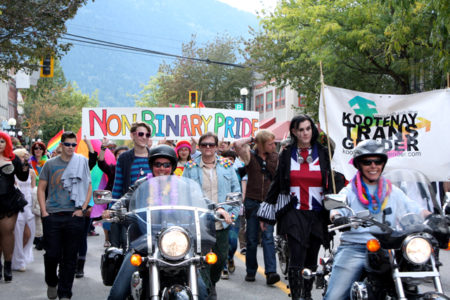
x=54, y=142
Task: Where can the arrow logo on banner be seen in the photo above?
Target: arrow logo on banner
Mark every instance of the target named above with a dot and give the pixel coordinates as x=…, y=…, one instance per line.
x=424, y=123
x=363, y=106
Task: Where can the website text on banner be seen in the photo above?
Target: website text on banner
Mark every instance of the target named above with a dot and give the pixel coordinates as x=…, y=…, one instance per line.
x=415, y=126
x=167, y=122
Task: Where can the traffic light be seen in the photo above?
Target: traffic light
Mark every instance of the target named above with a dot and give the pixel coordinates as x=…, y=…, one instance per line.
x=47, y=64
x=193, y=98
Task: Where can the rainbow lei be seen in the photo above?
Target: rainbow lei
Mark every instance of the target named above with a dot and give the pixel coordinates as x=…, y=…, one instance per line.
x=373, y=203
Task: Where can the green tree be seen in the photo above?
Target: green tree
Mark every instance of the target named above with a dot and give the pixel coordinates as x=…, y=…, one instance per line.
x=53, y=105
x=31, y=29
x=212, y=81
x=390, y=46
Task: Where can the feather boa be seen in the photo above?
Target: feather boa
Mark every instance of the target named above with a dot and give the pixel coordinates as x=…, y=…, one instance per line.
x=37, y=165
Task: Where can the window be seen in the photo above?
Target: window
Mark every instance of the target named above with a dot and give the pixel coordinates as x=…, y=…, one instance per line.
x=269, y=101
x=259, y=103
x=300, y=100
x=280, y=99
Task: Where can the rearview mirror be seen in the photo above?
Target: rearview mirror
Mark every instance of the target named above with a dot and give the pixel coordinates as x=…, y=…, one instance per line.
x=234, y=199
x=103, y=197
x=333, y=201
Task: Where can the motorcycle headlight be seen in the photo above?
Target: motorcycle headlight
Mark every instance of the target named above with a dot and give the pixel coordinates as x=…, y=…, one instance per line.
x=417, y=249
x=174, y=243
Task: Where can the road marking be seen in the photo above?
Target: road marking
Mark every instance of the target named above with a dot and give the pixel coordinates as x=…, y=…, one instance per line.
x=281, y=285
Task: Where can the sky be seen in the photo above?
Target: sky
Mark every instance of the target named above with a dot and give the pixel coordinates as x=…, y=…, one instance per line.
x=251, y=5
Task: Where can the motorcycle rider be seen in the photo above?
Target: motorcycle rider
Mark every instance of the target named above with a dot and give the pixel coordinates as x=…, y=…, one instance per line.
x=367, y=190
x=162, y=162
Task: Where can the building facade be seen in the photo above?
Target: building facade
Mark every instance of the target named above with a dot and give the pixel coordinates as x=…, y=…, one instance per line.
x=276, y=106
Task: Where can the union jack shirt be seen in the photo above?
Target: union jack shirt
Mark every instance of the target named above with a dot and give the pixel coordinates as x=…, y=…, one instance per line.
x=306, y=179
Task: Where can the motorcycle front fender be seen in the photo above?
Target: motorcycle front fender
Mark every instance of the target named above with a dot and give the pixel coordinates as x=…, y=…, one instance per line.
x=177, y=292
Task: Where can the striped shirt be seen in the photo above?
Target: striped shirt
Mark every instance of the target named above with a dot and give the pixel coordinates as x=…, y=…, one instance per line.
x=139, y=169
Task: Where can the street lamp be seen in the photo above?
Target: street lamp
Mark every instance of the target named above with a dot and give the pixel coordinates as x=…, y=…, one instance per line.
x=12, y=124
x=244, y=93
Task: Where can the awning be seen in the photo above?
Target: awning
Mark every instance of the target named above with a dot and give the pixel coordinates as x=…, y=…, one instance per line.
x=280, y=129
x=266, y=123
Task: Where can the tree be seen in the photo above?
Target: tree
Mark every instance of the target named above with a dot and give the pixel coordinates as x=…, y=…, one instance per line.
x=213, y=82
x=32, y=29
x=389, y=46
x=53, y=105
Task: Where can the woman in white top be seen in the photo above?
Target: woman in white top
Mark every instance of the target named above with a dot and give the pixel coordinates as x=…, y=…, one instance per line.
x=25, y=224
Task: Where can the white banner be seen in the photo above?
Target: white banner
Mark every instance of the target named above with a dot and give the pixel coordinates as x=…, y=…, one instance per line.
x=416, y=126
x=168, y=122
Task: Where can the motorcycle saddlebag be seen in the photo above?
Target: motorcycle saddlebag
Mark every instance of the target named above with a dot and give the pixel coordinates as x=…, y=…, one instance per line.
x=110, y=264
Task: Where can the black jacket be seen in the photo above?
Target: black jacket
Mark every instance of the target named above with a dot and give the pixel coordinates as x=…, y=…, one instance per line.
x=126, y=161
x=279, y=206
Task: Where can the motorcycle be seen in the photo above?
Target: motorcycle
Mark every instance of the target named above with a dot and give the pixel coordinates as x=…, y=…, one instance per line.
x=171, y=231
x=402, y=256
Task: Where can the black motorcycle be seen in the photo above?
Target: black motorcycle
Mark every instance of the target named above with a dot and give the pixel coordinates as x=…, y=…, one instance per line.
x=171, y=231
x=405, y=255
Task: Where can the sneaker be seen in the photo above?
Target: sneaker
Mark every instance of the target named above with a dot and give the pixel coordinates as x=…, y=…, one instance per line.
x=52, y=292
x=243, y=251
x=249, y=278
x=272, y=278
x=225, y=274
x=231, y=266
x=107, y=244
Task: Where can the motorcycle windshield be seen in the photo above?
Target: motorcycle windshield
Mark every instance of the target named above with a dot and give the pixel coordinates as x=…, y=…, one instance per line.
x=409, y=212
x=166, y=201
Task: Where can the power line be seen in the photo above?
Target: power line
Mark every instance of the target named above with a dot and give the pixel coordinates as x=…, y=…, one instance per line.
x=87, y=40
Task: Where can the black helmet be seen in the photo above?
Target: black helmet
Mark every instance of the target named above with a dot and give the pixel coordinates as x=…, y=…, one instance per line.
x=369, y=148
x=165, y=152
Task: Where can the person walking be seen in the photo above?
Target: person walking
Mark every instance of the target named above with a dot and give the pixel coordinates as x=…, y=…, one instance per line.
x=68, y=180
x=217, y=178
x=25, y=225
x=294, y=200
x=260, y=165
x=38, y=158
x=131, y=166
x=12, y=200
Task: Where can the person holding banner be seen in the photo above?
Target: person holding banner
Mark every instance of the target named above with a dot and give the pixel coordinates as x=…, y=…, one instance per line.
x=294, y=200
x=131, y=166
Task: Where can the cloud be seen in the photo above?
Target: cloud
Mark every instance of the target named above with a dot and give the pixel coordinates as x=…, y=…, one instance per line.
x=251, y=6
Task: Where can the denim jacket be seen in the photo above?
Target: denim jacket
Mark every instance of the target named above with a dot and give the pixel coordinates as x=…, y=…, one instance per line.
x=227, y=181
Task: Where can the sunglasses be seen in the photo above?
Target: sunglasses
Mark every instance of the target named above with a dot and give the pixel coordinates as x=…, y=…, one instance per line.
x=141, y=134
x=37, y=148
x=368, y=162
x=207, y=145
x=70, y=144
x=165, y=165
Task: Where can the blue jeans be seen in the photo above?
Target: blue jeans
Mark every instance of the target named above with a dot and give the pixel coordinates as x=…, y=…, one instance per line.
x=253, y=229
x=62, y=238
x=349, y=262
x=233, y=238
x=122, y=289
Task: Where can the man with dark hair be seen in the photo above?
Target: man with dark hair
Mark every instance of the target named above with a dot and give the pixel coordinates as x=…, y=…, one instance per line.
x=68, y=180
x=131, y=166
x=260, y=165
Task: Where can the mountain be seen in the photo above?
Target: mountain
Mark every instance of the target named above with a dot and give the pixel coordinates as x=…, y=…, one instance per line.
x=160, y=25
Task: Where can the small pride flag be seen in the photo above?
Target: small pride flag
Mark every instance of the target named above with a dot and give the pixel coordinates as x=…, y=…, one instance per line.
x=54, y=142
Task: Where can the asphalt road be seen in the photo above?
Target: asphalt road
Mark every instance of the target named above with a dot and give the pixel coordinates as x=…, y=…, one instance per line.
x=31, y=285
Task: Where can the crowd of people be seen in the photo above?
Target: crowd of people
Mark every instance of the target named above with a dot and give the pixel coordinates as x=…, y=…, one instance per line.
x=46, y=198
